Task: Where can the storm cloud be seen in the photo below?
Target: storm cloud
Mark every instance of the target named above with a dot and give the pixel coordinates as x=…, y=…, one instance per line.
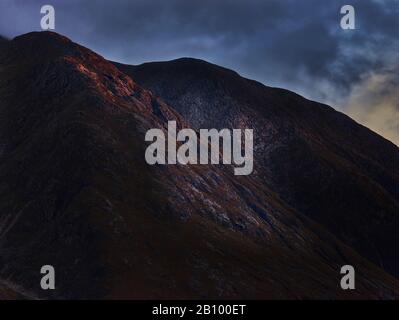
x=298, y=45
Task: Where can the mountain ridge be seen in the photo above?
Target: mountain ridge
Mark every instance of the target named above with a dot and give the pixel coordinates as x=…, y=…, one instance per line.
x=76, y=193
x=340, y=151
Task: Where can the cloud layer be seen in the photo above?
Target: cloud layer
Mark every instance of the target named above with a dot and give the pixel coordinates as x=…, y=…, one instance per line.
x=299, y=46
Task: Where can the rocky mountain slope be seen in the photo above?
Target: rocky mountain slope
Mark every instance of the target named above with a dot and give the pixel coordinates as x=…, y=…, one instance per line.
x=76, y=193
x=318, y=160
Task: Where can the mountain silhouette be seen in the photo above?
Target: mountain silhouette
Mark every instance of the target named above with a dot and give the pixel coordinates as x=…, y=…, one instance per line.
x=77, y=194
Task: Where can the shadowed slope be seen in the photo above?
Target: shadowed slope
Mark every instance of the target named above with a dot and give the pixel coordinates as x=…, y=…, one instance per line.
x=318, y=160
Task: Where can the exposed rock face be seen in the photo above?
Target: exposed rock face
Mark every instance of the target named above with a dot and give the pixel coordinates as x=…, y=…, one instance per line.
x=319, y=161
x=76, y=193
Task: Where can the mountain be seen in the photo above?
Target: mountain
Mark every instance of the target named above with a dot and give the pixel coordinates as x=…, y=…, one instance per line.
x=318, y=161
x=77, y=194
x=3, y=41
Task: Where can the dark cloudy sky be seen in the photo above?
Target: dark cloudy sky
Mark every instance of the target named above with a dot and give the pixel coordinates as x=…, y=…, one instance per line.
x=295, y=44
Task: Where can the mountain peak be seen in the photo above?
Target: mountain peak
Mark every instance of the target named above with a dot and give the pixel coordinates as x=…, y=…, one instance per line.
x=42, y=35
x=44, y=45
x=197, y=67
x=43, y=40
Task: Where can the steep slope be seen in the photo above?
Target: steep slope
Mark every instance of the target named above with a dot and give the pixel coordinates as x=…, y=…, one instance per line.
x=319, y=161
x=76, y=193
